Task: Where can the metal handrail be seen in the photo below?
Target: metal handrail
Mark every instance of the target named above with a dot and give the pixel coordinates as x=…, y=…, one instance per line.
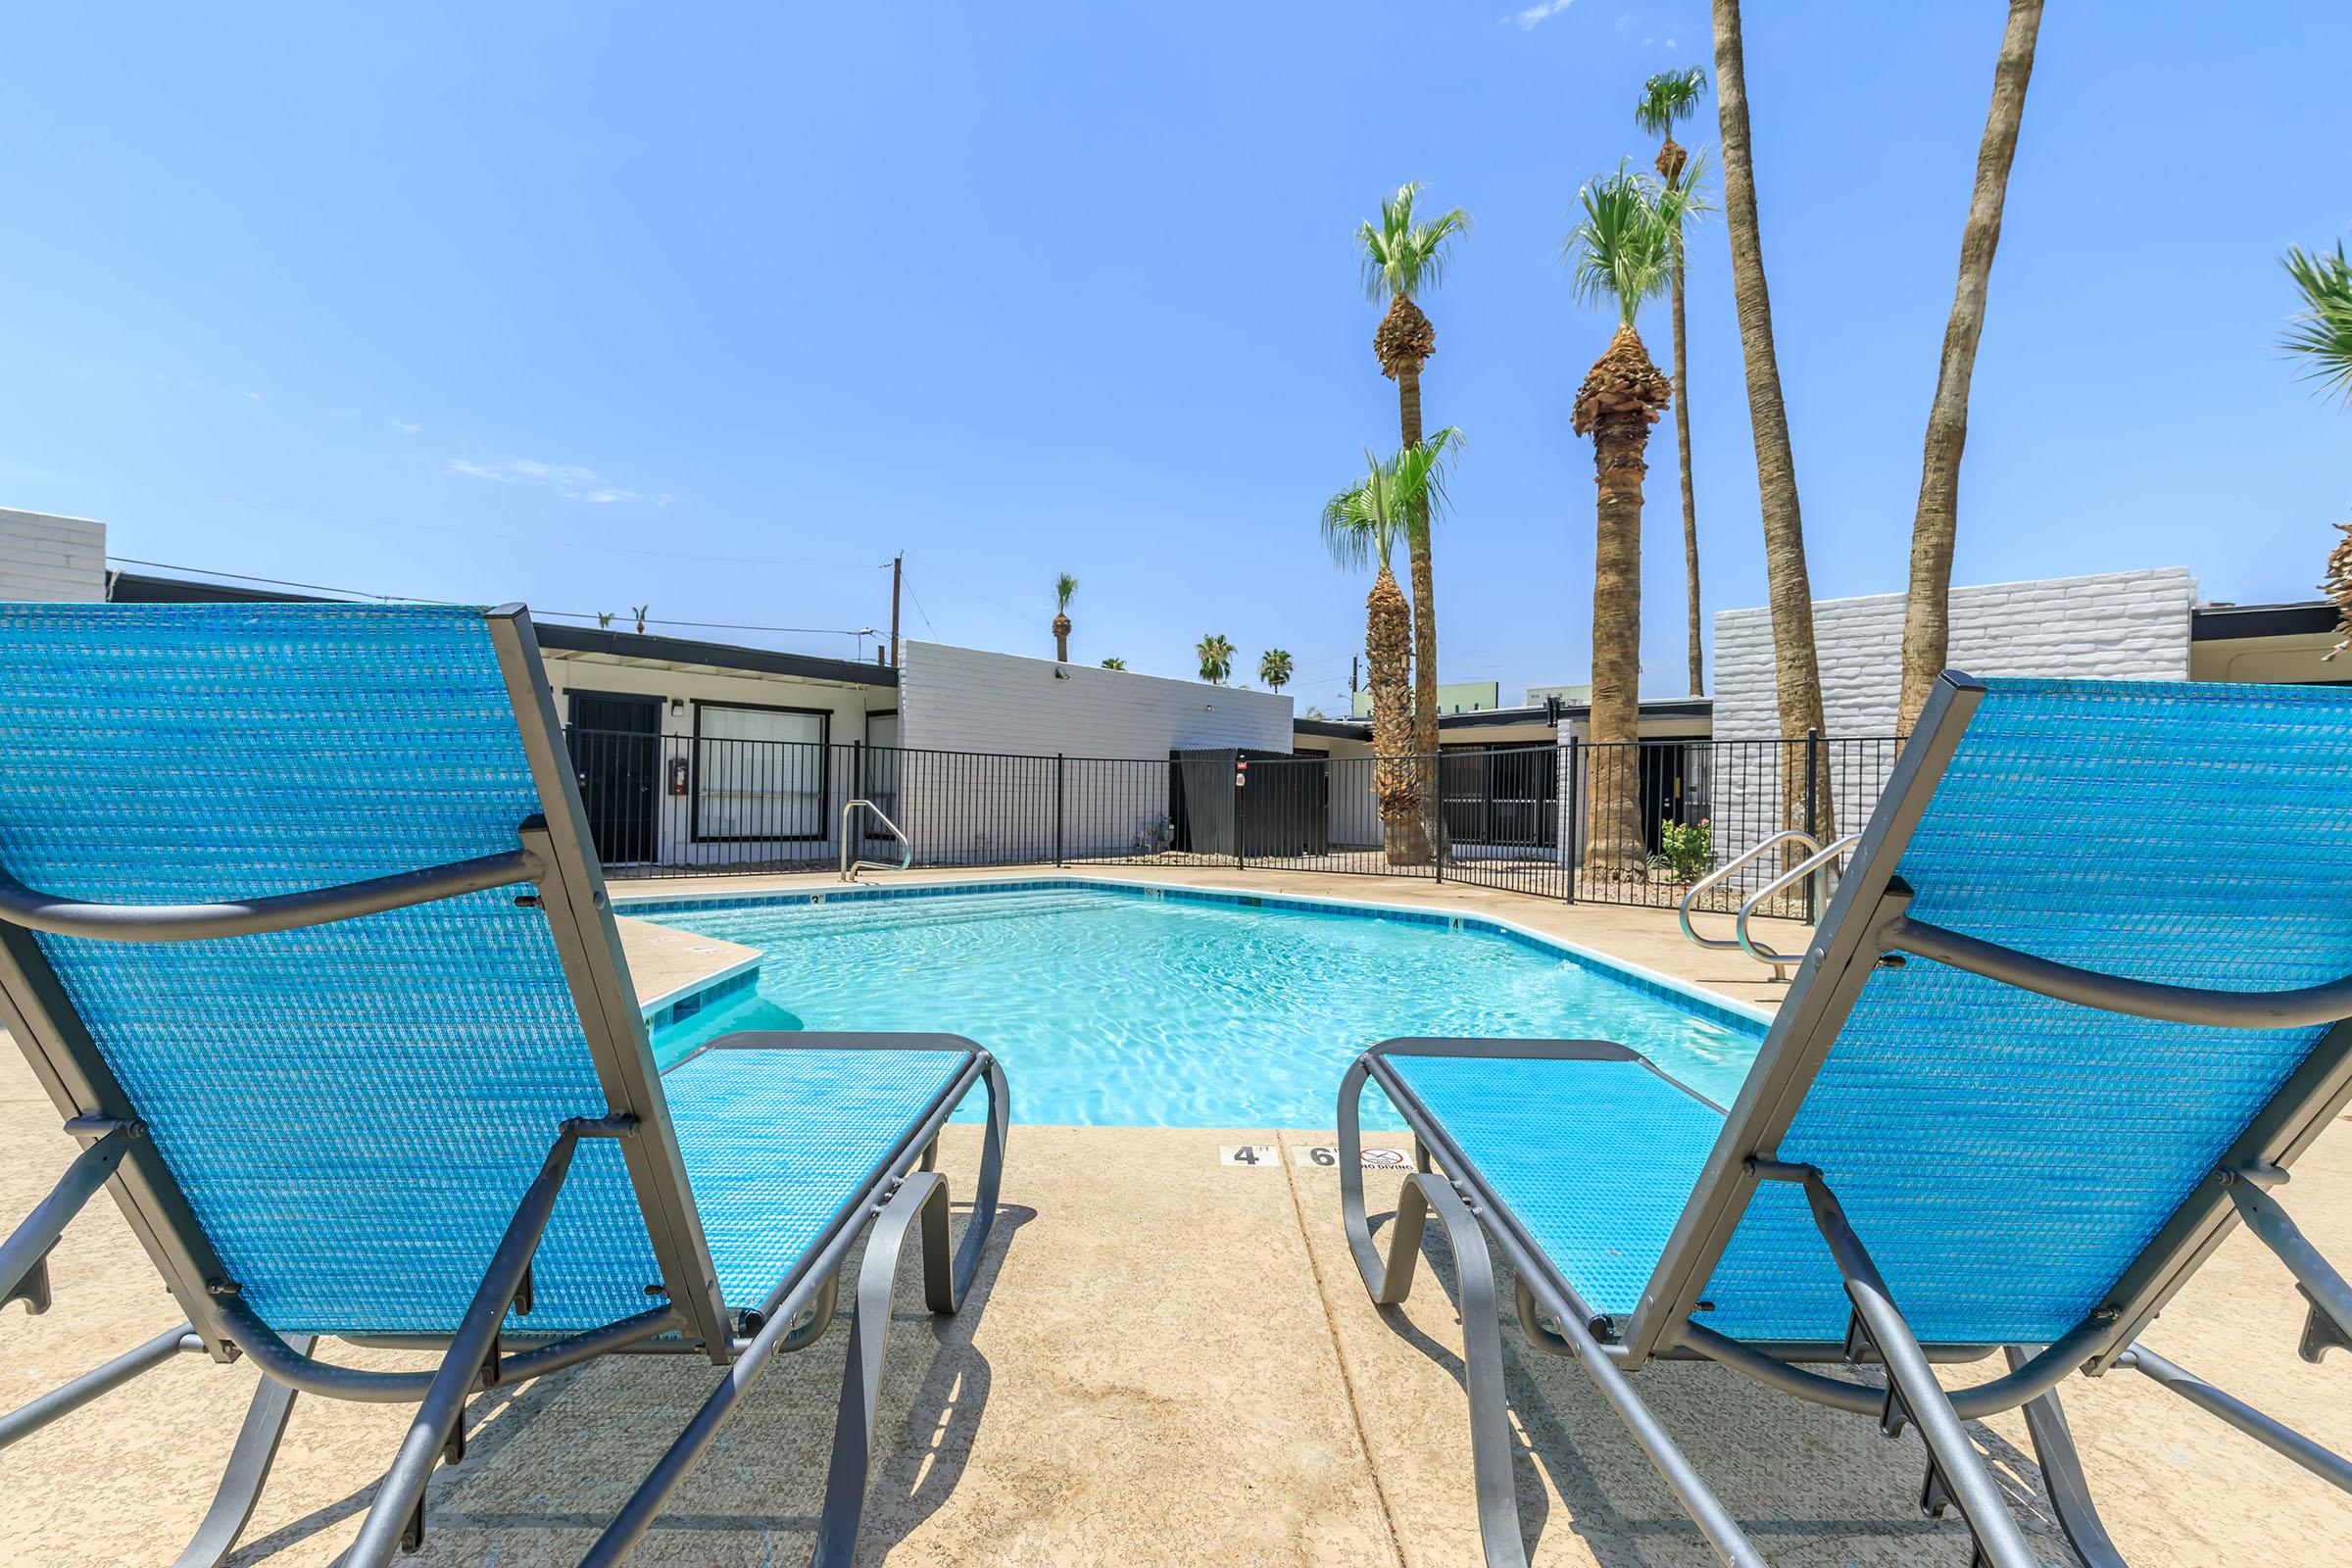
x=1817, y=863
x=1812, y=844
x=849, y=867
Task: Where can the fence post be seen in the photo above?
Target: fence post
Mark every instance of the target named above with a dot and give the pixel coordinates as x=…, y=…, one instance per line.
x=1435, y=821
x=1813, y=816
x=1575, y=771
x=1057, y=760
x=1241, y=796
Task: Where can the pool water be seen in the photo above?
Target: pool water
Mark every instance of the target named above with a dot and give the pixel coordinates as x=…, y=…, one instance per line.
x=1125, y=1009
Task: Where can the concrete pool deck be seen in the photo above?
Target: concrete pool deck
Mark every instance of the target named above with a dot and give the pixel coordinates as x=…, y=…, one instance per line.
x=1166, y=1361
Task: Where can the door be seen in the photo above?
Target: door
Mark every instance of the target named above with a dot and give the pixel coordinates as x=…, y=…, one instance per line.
x=617, y=746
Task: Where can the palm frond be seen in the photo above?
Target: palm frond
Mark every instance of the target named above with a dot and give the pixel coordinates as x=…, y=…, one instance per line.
x=1064, y=587
x=1362, y=524
x=1686, y=198
x=1669, y=98
x=1622, y=249
x=2321, y=333
x=1399, y=255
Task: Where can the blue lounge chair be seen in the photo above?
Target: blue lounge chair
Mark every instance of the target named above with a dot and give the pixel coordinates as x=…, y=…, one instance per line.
x=2073, y=1011
x=300, y=929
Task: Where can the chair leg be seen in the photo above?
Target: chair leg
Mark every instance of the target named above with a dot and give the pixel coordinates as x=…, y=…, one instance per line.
x=1482, y=1358
x=1388, y=1279
x=249, y=1464
x=2330, y=1466
x=63, y=1400
x=2061, y=1475
x=924, y=1196
x=24, y=1252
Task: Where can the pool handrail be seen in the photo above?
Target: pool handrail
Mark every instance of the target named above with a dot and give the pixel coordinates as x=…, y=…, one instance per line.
x=1692, y=896
x=1818, y=865
x=849, y=867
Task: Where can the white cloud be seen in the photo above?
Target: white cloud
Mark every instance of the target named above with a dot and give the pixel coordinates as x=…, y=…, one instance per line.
x=1534, y=15
x=404, y=426
x=571, y=480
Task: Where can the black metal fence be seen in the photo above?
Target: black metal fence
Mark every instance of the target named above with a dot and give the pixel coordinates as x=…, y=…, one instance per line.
x=1635, y=823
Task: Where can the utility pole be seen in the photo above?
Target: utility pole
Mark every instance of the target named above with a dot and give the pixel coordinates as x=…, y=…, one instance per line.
x=898, y=574
x=1355, y=662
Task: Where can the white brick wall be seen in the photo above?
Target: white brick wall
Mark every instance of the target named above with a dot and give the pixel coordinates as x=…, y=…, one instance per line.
x=1002, y=705
x=2124, y=626
x=49, y=557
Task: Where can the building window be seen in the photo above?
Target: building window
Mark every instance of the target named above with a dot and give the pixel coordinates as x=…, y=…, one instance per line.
x=759, y=772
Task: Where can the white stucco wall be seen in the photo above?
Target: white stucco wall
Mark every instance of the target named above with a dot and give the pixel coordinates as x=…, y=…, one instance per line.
x=968, y=700
x=51, y=558
x=994, y=706
x=2124, y=626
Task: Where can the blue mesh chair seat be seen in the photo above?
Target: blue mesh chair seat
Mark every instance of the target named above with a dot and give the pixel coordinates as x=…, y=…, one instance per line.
x=300, y=929
x=779, y=1144
x=1632, y=1139
x=2071, y=1013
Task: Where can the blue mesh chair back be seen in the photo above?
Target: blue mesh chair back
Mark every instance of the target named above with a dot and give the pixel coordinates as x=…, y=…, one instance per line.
x=352, y=1110
x=2005, y=1156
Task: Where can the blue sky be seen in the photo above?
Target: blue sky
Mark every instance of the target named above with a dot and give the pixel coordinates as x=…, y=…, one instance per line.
x=716, y=310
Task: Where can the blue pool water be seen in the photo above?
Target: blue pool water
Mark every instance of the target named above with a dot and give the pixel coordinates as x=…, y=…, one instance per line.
x=1116, y=1007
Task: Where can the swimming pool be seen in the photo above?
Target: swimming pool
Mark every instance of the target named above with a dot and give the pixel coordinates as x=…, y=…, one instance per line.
x=1116, y=1005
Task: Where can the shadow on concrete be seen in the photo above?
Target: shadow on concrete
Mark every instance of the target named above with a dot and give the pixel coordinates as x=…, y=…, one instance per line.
x=549, y=1462
x=1790, y=1472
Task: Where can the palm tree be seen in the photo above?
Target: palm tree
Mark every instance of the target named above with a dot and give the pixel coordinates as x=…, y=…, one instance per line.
x=2323, y=329
x=1796, y=668
x=1274, y=668
x=639, y=612
x=1667, y=99
x=1620, y=253
x=1215, y=654
x=1115, y=663
x=1362, y=526
x=1063, y=586
x=1402, y=257
x=1927, y=612
x=2322, y=334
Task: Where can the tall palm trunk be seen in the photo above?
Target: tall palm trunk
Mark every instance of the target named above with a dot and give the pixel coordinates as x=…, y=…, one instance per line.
x=1061, y=639
x=1797, y=670
x=1404, y=340
x=1671, y=161
x=1388, y=651
x=1926, y=615
x=1616, y=406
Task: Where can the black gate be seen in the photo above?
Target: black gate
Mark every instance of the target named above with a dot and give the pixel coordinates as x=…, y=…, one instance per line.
x=617, y=746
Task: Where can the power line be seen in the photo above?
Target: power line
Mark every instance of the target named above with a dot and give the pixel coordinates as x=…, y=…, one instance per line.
x=712, y=625
x=277, y=583
x=553, y=614
x=471, y=533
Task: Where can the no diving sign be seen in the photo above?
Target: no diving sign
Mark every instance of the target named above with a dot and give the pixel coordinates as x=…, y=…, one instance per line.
x=1316, y=1156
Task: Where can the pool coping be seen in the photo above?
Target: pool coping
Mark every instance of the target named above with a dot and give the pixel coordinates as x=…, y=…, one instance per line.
x=1724, y=1009
x=662, y=1008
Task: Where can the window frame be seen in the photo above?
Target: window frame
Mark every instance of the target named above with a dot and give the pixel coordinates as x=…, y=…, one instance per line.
x=824, y=770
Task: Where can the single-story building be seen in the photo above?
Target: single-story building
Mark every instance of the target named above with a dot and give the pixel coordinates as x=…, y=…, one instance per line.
x=695, y=753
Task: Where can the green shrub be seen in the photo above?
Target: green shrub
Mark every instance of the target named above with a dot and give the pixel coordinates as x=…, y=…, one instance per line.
x=1689, y=847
